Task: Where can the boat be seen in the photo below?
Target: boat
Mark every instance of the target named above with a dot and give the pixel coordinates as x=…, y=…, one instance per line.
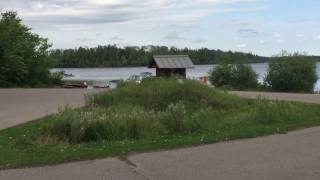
x=74, y=86
x=68, y=75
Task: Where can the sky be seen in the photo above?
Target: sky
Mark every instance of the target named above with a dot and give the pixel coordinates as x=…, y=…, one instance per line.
x=263, y=27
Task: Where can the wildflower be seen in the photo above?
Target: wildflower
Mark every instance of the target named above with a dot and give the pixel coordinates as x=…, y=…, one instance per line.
x=202, y=139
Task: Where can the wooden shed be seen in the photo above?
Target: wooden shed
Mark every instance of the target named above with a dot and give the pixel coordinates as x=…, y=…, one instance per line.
x=171, y=65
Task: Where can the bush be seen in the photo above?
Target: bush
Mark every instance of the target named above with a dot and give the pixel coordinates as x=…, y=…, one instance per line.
x=221, y=75
x=292, y=73
x=175, y=118
x=56, y=78
x=235, y=76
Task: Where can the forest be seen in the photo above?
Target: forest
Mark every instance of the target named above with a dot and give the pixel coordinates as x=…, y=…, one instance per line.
x=113, y=56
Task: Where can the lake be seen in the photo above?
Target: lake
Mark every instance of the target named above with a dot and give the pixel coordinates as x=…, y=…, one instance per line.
x=108, y=74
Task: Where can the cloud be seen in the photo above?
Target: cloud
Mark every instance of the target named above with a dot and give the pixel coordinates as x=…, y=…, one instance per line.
x=117, y=11
x=299, y=35
x=116, y=38
x=181, y=26
x=280, y=41
x=106, y=18
x=241, y=22
x=236, y=38
x=318, y=37
x=98, y=34
x=198, y=41
x=243, y=45
x=262, y=41
x=141, y=21
x=84, y=39
x=174, y=36
x=276, y=35
x=249, y=32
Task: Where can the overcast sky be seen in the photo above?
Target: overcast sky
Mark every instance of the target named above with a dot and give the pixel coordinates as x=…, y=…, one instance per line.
x=264, y=27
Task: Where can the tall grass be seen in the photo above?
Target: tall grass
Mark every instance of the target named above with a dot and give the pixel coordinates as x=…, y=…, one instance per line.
x=157, y=94
x=164, y=107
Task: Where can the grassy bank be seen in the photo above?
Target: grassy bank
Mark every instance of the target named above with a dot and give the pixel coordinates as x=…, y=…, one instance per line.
x=157, y=114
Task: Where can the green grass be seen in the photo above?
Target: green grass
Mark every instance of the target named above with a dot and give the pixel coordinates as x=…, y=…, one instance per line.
x=157, y=114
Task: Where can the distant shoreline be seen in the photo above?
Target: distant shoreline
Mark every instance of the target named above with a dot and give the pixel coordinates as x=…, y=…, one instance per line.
x=98, y=67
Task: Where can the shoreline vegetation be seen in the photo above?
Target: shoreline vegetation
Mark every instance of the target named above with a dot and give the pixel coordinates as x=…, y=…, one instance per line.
x=137, y=56
x=287, y=72
x=156, y=114
x=134, y=56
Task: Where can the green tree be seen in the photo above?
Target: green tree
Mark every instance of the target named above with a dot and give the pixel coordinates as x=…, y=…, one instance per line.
x=244, y=77
x=221, y=75
x=292, y=73
x=23, y=55
x=234, y=76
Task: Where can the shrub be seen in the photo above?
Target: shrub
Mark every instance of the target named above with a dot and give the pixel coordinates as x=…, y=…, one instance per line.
x=56, y=77
x=235, y=76
x=244, y=77
x=175, y=117
x=292, y=73
x=221, y=75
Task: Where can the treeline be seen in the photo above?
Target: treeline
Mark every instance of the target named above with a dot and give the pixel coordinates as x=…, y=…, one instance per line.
x=113, y=56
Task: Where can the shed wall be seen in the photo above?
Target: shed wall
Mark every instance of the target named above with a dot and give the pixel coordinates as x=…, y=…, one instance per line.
x=181, y=72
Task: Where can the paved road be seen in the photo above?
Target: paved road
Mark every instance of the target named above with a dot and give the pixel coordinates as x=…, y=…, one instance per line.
x=293, y=156
x=307, y=98
x=21, y=105
x=106, y=169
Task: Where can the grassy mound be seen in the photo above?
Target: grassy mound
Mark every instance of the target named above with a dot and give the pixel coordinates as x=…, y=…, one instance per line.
x=163, y=107
x=135, y=111
x=158, y=94
x=158, y=113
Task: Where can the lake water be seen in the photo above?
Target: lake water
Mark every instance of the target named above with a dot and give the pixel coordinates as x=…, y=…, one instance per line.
x=108, y=74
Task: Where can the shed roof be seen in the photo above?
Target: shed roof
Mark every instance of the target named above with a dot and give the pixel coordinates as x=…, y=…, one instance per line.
x=172, y=61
